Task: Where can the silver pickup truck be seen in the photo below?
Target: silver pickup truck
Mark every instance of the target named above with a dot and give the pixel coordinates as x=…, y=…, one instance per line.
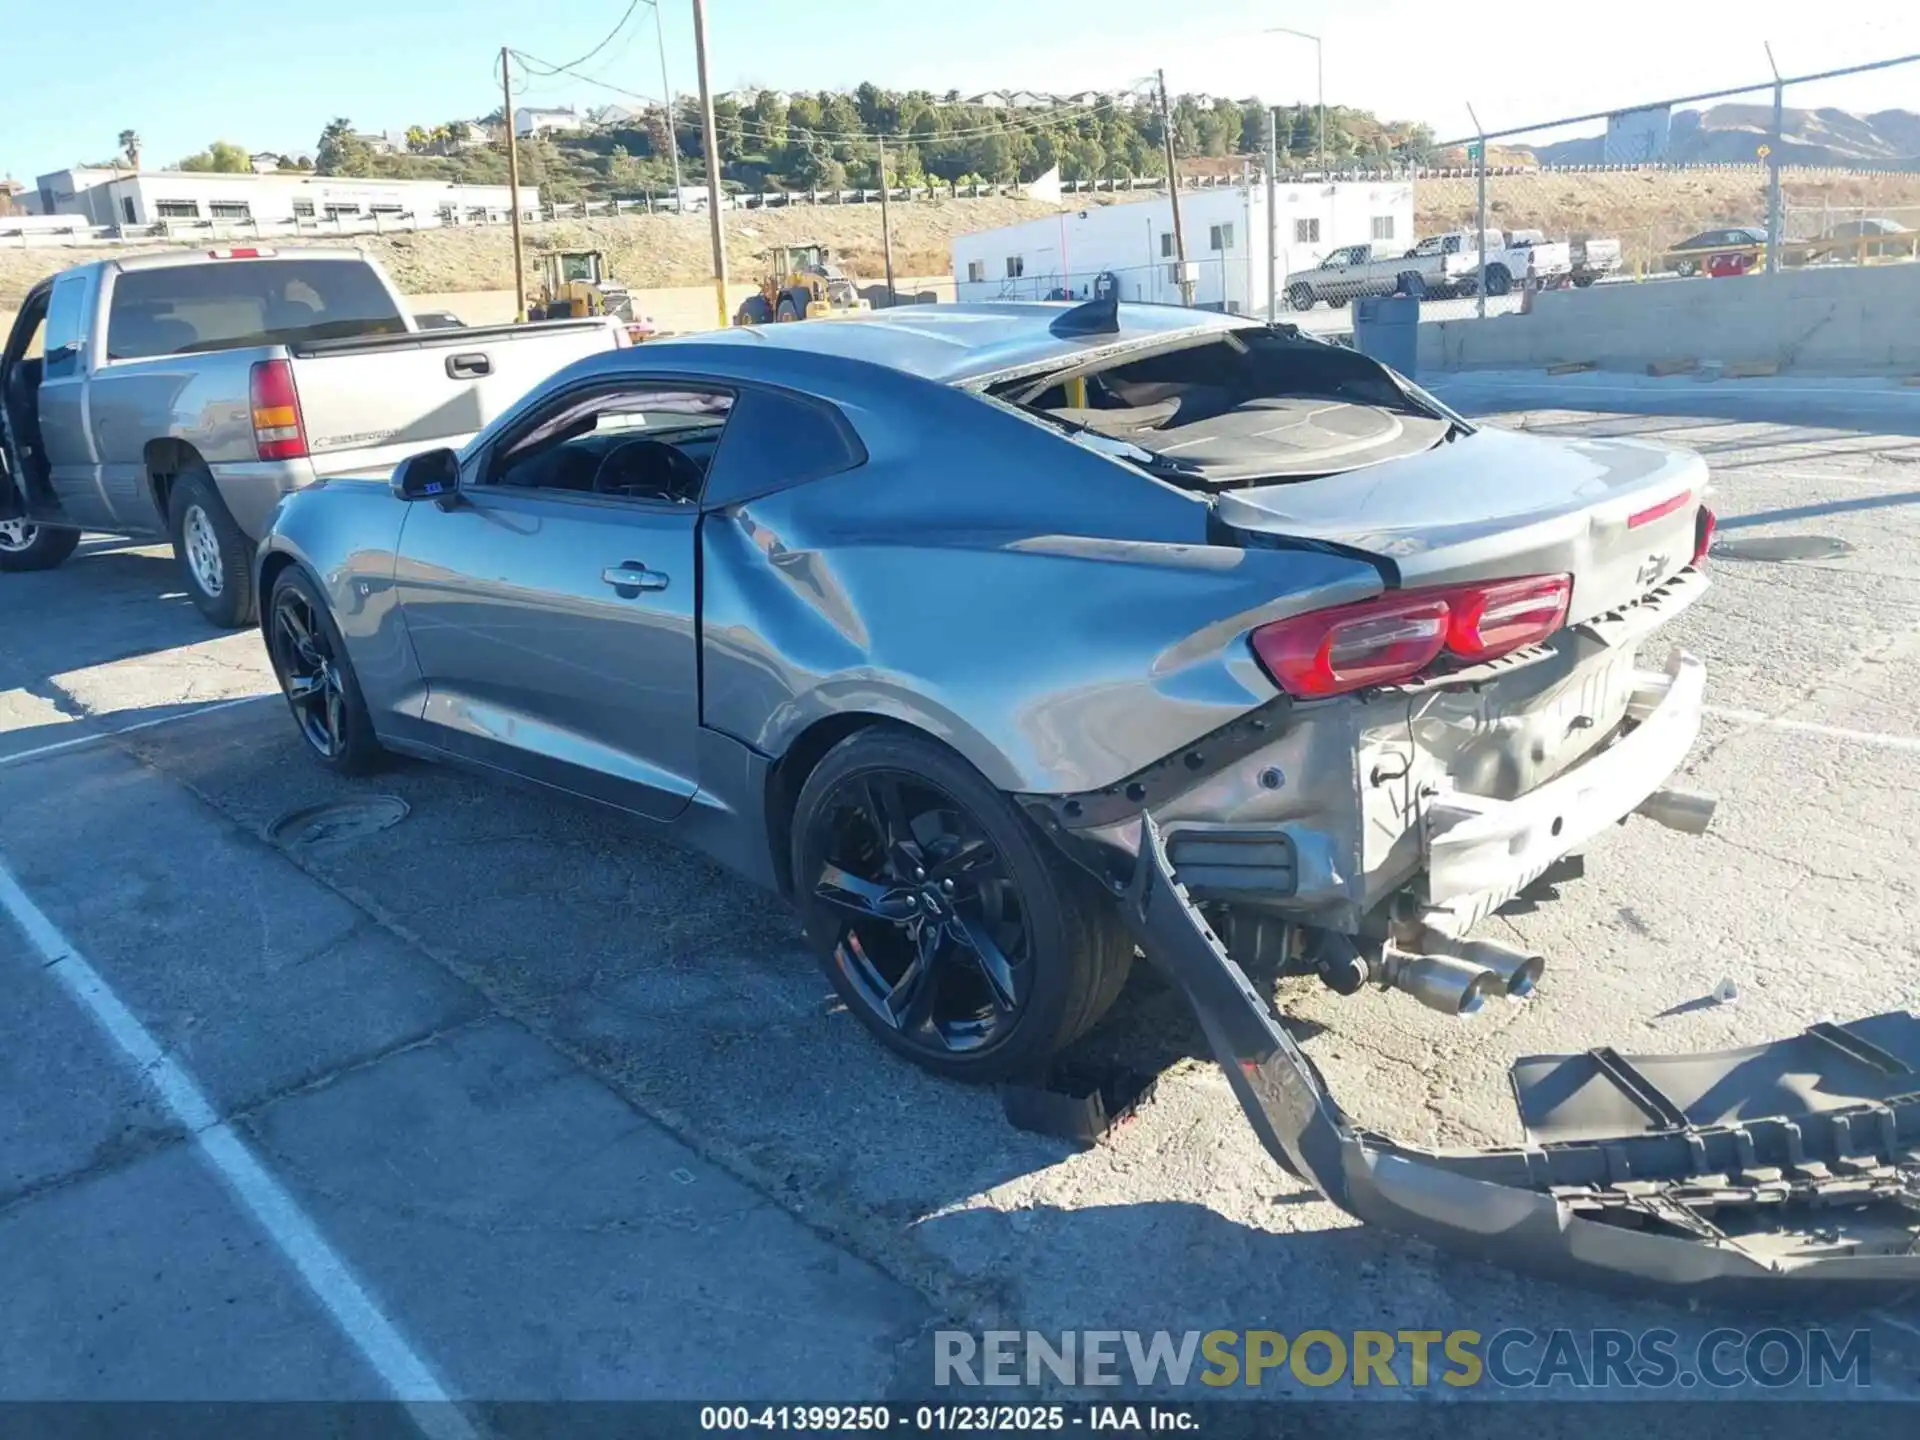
x=181, y=394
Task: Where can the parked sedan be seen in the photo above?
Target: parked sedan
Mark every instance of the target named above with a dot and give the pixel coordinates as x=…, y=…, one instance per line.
x=999, y=638
x=1690, y=256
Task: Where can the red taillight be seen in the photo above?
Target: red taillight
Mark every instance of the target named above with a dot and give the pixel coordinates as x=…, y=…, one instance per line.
x=1394, y=637
x=1490, y=620
x=1328, y=652
x=1702, y=535
x=278, y=431
x=253, y=253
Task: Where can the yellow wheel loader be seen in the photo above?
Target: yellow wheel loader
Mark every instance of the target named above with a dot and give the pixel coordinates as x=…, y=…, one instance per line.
x=800, y=282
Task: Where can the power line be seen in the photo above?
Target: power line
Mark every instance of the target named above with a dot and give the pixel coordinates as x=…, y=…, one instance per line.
x=605, y=41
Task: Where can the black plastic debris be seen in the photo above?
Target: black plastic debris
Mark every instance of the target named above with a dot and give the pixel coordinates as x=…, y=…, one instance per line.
x=1076, y=1101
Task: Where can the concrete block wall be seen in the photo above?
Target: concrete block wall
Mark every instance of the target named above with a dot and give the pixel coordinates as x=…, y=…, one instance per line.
x=1844, y=320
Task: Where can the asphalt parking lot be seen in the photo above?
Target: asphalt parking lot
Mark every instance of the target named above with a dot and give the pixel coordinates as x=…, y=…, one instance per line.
x=506, y=1099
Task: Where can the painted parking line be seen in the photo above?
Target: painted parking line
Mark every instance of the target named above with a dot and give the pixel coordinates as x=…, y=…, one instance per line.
x=325, y=1271
x=91, y=737
x=1811, y=727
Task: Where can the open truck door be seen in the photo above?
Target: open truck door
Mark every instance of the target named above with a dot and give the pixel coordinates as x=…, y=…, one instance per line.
x=1759, y=1174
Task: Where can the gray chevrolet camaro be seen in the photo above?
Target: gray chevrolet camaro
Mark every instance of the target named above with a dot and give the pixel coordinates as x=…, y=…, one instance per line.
x=1000, y=638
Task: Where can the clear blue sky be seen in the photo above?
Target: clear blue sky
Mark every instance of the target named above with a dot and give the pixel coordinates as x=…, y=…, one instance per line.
x=269, y=76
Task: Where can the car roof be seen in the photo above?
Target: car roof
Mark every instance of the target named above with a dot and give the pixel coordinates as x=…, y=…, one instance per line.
x=953, y=344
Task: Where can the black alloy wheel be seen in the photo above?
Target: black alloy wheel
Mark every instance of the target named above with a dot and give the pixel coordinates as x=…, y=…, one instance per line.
x=930, y=933
x=309, y=674
x=317, y=679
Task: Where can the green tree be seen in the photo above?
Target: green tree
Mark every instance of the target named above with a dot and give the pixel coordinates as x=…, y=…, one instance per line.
x=769, y=115
x=417, y=139
x=341, y=152
x=130, y=147
x=222, y=156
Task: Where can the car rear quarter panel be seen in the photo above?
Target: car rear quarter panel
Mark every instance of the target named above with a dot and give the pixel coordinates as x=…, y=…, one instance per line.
x=344, y=533
x=1056, y=616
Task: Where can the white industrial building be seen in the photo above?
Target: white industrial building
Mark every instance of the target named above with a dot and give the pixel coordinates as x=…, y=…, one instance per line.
x=1226, y=235
x=121, y=197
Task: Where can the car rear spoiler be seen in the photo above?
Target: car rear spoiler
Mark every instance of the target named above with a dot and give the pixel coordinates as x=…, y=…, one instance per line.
x=1762, y=1174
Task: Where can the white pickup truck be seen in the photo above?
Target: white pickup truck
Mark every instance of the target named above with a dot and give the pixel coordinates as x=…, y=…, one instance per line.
x=1590, y=259
x=1438, y=267
x=181, y=394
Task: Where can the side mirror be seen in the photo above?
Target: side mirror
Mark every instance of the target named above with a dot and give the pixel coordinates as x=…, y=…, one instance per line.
x=430, y=475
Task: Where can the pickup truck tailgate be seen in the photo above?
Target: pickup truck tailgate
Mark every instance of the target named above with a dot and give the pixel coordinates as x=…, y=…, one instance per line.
x=368, y=401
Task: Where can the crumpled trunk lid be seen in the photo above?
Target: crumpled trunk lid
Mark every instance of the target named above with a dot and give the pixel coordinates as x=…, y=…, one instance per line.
x=1617, y=515
x=1719, y=1176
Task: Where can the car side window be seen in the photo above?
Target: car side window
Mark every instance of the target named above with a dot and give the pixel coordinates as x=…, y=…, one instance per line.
x=66, y=315
x=637, y=441
x=776, y=439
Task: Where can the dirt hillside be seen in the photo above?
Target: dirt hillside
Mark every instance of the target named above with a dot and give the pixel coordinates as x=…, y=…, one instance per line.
x=1645, y=209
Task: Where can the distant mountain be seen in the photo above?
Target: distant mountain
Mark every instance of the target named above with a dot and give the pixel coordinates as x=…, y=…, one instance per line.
x=1730, y=134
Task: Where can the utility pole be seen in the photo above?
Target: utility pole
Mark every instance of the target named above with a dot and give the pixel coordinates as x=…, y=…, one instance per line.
x=666, y=86
x=1173, y=193
x=513, y=186
x=1273, y=214
x=1480, y=236
x=886, y=220
x=712, y=143
x=1776, y=219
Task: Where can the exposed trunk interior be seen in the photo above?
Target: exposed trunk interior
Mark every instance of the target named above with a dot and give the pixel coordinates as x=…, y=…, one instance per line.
x=1243, y=406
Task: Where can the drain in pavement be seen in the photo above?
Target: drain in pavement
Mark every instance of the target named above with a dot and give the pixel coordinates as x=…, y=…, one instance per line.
x=1782, y=547
x=345, y=820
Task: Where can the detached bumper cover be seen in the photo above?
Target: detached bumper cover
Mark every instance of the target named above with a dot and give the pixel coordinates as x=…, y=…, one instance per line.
x=1757, y=1174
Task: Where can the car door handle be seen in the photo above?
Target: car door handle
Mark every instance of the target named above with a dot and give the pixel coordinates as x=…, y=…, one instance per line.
x=469, y=366
x=633, y=577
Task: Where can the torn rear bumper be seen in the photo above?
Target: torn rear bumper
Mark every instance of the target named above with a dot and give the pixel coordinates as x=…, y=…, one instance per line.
x=1756, y=1174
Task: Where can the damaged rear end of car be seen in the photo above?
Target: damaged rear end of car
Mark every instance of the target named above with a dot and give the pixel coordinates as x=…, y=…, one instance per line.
x=1430, y=751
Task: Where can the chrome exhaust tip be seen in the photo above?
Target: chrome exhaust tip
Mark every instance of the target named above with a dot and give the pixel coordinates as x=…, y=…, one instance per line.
x=1519, y=970
x=1687, y=811
x=1446, y=983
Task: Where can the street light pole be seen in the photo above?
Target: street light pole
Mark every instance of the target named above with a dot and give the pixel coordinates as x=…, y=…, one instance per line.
x=1173, y=193
x=1319, y=80
x=1273, y=214
x=712, y=144
x=666, y=87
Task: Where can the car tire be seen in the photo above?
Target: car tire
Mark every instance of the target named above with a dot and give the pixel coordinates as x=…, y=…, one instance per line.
x=25, y=546
x=1051, y=937
x=316, y=676
x=1581, y=282
x=214, y=553
x=1499, y=280
x=1300, y=297
x=1687, y=267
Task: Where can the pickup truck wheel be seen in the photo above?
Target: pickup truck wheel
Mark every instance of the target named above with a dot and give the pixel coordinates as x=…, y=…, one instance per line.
x=1413, y=285
x=941, y=916
x=1581, y=282
x=310, y=661
x=215, y=555
x=1300, y=297
x=1499, y=280
x=25, y=546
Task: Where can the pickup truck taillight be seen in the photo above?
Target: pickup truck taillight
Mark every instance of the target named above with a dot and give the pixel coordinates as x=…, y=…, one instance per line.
x=1394, y=637
x=278, y=431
